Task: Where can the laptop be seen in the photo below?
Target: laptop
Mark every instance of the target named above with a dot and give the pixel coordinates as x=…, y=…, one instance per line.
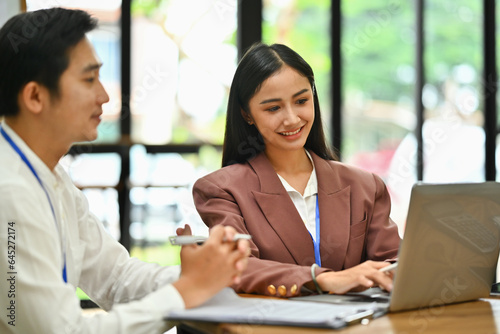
x=449, y=252
x=448, y=255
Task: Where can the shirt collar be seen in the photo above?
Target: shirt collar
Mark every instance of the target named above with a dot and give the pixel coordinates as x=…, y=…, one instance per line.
x=312, y=184
x=40, y=167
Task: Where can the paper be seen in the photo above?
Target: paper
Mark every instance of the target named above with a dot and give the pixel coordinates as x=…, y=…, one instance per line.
x=372, y=295
x=228, y=307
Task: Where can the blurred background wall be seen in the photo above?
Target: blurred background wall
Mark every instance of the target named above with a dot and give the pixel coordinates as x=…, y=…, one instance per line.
x=407, y=90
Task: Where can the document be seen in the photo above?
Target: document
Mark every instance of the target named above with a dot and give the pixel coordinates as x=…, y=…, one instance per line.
x=372, y=295
x=228, y=307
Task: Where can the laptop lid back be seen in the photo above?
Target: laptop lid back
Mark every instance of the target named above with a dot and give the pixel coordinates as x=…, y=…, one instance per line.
x=449, y=251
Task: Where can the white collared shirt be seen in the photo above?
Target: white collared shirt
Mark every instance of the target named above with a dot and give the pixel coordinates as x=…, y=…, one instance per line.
x=305, y=204
x=95, y=262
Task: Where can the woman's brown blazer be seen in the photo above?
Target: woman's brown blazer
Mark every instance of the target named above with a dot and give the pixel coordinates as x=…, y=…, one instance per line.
x=354, y=207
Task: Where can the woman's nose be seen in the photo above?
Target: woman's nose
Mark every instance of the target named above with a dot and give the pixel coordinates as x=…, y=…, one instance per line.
x=290, y=116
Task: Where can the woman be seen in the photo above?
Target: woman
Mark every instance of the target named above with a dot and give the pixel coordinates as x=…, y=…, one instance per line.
x=317, y=225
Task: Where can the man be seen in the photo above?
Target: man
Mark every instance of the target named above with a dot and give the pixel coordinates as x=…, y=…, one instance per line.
x=50, y=98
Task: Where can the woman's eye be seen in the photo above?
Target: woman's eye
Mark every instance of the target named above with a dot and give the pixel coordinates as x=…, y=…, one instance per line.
x=90, y=80
x=302, y=101
x=275, y=108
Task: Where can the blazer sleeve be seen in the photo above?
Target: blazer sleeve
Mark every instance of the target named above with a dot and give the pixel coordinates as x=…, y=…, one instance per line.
x=382, y=240
x=265, y=277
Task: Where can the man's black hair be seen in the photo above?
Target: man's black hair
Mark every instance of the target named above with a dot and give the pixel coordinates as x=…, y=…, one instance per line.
x=34, y=46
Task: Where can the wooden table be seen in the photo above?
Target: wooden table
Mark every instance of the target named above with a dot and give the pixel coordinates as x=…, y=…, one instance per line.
x=470, y=317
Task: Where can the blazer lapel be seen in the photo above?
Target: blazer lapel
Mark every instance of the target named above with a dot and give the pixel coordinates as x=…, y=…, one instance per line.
x=334, y=212
x=281, y=213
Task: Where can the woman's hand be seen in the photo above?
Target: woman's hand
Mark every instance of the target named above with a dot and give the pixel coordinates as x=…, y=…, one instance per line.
x=358, y=278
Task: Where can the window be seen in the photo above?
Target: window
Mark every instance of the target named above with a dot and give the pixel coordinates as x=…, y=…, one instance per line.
x=184, y=55
x=304, y=27
x=378, y=87
x=106, y=41
x=182, y=67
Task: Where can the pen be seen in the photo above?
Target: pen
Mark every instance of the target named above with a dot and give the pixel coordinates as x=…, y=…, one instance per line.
x=192, y=239
x=362, y=317
x=389, y=267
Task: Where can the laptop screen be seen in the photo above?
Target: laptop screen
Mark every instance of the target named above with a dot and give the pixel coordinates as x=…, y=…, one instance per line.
x=449, y=251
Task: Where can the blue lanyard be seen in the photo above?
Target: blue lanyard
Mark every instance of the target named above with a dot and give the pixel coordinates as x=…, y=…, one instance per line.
x=26, y=161
x=317, y=255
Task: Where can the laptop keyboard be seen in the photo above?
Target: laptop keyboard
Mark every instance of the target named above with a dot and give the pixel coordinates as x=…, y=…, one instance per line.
x=470, y=230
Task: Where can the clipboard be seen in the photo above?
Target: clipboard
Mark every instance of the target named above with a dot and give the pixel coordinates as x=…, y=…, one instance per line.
x=228, y=307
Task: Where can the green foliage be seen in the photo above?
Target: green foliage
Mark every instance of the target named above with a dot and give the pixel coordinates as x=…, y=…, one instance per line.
x=165, y=255
x=378, y=37
x=453, y=35
x=146, y=7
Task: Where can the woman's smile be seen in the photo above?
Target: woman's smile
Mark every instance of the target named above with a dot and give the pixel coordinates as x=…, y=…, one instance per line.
x=291, y=133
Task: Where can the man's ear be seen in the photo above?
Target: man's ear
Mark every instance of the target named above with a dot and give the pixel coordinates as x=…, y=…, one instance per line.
x=32, y=97
x=247, y=117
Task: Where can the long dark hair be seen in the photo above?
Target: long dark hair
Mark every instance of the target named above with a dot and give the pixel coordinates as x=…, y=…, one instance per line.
x=242, y=141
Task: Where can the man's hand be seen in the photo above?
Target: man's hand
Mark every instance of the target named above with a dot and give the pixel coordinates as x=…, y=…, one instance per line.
x=186, y=230
x=208, y=268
